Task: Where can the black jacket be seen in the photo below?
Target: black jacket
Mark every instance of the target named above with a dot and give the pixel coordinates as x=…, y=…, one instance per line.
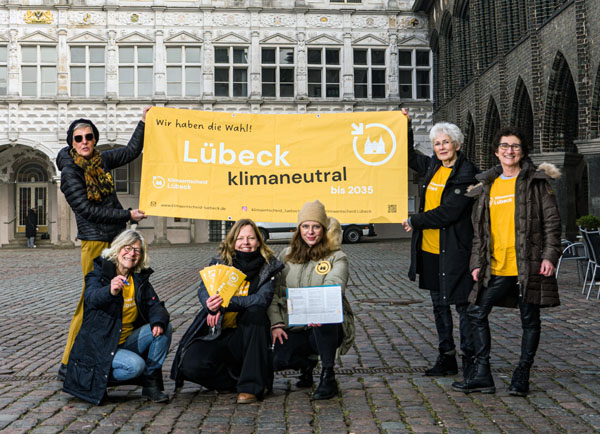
x=91, y=358
x=31, y=224
x=261, y=297
x=452, y=218
x=97, y=221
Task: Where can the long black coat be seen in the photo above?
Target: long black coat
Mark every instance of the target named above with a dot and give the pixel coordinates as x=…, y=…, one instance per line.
x=91, y=358
x=31, y=224
x=261, y=297
x=97, y=221
x=452, y=218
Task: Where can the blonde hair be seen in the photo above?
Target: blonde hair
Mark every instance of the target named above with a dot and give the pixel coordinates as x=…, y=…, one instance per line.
x=227, y=246
x=127, y=238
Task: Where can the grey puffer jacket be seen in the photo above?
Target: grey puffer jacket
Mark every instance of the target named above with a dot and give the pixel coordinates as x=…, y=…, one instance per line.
x=98, y=221
x=537, y=233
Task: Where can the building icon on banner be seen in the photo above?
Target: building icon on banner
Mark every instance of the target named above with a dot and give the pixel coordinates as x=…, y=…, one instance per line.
x=374, y=148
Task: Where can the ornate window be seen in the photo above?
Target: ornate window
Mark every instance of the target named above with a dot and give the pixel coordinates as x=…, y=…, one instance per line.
x=415, y=74
x=183, y=71
x=231, y=71
x=324, y=72
x=369, y=73
x=277, y=72
x=87, y=71
x=38, y=70
x=136, y=71
x=3, y=69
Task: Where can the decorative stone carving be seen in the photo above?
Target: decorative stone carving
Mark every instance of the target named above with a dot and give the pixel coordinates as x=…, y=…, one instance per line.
x=330, y=21
x=273, y=20
x=378, y=22
x=39, y=17
x=229, y=20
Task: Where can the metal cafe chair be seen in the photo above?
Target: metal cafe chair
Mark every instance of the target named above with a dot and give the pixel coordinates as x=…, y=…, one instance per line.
x=592, y=243
x=573, y=251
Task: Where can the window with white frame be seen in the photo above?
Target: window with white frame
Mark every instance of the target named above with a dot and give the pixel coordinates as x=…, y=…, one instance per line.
x=231, y=71
x=369, y=73
x=3, y=69
x=136, y=71
x=415, y=74
x=277, y=72
x=38, y=70
x=184, y=74
x=323, y=72
x=121, y=178
x=87, y=71
x=346, y=1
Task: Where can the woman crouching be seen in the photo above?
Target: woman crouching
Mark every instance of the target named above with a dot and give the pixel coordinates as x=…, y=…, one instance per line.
x=125, y=333
x=227, y=349
x=314, y=258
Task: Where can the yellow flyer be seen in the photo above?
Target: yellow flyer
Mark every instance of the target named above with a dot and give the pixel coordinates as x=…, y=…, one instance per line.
x=227, y=166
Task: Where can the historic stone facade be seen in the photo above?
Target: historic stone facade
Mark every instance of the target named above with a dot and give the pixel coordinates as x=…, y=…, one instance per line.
x=107, y=59
x=531, y=63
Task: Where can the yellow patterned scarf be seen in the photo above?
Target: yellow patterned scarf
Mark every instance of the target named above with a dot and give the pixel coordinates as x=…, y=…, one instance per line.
x=99, y=184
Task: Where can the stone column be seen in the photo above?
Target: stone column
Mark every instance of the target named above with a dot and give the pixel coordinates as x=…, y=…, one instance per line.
x=160, y=232
x=64, y=219
x=590, y=149
x=63, y=64
x=347, y=58
x=565, y=187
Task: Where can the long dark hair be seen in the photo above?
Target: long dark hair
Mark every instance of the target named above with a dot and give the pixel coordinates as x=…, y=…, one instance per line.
x=300, y=252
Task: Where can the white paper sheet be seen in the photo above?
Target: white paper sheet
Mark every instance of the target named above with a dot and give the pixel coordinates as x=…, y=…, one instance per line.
x=315, y=304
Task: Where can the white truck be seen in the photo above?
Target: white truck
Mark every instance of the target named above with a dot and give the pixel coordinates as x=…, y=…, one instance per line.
x=352, y=232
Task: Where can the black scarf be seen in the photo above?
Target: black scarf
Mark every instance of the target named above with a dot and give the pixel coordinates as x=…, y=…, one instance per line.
x=250, y=263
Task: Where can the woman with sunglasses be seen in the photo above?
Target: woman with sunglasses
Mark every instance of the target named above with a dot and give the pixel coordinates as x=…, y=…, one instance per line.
x=89, y=189
x=125, y=334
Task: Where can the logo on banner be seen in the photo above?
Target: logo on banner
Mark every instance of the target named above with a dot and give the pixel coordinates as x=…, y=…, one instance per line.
x=374, y=144
x=158, y=181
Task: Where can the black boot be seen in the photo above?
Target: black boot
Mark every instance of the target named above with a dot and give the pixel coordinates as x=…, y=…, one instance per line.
x=468, y=363
x=327, y=386
x=306, y=374
x=444, y=365
x=62, y=372
x=479, y=380
x=519, y=385
x=153, y=387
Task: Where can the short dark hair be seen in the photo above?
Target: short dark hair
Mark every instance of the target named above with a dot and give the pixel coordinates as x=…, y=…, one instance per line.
x=511, y=131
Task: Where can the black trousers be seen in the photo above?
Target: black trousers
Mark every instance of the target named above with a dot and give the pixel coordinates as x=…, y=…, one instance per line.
x=498, y=288
x=300, y=345
x=443, y=324
x=236, y=360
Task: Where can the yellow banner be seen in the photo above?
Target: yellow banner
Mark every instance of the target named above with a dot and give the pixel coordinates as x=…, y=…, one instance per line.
x=227, y=166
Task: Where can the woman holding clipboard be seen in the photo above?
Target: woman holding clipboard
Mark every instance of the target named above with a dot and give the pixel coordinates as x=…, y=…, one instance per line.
x=227, y=348
x=313, y=259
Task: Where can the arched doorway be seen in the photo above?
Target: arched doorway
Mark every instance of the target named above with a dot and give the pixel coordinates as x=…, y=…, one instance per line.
x=32, y=192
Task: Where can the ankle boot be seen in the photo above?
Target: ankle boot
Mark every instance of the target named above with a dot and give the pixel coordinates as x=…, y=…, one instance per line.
x=468, y=363
x=479, y=380
x=327, y=386
x=444, y=365
x=306, y=374
x=153, y=387
x=519, y=385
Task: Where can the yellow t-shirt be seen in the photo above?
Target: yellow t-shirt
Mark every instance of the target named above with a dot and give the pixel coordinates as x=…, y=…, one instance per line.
x=230, y=318
x=502, y=222
x=433, y=198
x=130, y=311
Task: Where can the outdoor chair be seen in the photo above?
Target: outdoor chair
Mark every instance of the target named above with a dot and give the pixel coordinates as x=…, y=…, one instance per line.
x=573, y=252
x=592, y=244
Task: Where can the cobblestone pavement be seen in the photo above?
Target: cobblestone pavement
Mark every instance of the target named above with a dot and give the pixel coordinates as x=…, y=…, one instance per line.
x=381, y=380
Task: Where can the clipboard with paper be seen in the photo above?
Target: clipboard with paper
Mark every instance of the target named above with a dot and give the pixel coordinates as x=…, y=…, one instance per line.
x=224, y=280
x=315, y=305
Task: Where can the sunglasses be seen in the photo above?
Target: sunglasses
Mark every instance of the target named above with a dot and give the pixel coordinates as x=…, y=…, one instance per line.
x=79, y=138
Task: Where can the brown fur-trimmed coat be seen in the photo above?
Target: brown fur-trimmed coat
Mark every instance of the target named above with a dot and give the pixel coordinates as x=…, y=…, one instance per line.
x=537, y=231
